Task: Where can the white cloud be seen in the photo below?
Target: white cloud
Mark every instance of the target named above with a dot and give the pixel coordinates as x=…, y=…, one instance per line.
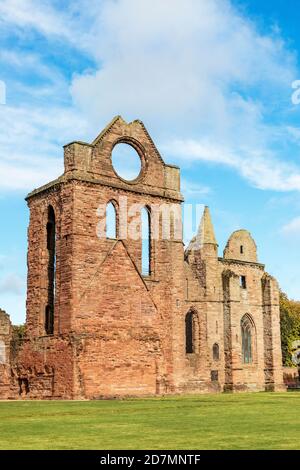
x=188, y=68
x=292, y=228
x=32, y=14
x=69, y=22
x=177, y=61
x=31, y=142
x=262, y=170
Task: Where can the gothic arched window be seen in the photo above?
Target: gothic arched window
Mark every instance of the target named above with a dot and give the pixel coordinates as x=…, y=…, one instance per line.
x=192, y=331
x=248, y=337
x=111, y=220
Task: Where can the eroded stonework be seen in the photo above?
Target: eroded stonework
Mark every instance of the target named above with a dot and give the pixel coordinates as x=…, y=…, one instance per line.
x=97, y=327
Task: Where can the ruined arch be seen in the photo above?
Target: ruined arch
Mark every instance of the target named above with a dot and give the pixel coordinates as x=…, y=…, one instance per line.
x=192, y=332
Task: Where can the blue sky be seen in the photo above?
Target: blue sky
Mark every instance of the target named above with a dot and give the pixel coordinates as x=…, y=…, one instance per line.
x=211, y=80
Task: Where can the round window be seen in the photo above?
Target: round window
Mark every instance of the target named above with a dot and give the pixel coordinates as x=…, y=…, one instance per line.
x=126, y=161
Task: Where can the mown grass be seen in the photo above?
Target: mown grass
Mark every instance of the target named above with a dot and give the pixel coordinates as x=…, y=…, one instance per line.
x=225, y=421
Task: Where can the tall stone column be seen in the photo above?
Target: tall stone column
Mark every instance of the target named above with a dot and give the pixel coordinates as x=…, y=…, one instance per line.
x=272, y=341
x=231, y=306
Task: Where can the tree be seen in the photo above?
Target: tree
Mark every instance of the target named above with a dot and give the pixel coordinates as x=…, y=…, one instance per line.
x=18, y=332
x=290, y=326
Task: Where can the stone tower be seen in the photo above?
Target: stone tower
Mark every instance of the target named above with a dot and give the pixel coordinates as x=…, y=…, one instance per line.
x=104, y=327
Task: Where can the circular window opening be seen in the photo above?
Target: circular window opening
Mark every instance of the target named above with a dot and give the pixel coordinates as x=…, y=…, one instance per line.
x=126, y=161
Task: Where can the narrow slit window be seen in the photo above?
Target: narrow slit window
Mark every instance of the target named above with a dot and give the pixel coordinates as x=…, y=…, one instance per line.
x=51, y=248
x=189, y=333
x=49, y=320
x=241, y=249
x=243, y=283
x=111, y=221
x=216, y=352
x=146, y=242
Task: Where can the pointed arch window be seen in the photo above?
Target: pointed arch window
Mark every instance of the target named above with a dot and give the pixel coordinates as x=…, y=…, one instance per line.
x=248, y=339
x=51, y=248
x=192, y=332
x=146, y=241
x=111, y=220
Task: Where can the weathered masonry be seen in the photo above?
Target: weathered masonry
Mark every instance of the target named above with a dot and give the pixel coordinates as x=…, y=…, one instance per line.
x=117, y=307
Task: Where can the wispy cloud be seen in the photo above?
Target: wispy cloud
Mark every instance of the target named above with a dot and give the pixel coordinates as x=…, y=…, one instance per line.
x=213, y=83
x=261, y=169
x=292, y=228
x=41, y=16
x=193, y=189
x=31, y=144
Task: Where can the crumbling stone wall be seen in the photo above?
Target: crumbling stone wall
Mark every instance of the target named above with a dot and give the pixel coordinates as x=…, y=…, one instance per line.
x=117, y=332
x=5, y=351
x=228, y=290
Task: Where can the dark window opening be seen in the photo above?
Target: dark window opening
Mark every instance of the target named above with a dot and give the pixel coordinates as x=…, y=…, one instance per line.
x=243, y=284
x=216, y=352
x=49, y=320
x=189, y=333
x=241, y=249
x=23, y=386
x=51, y=247
x=50, y=235
x=214, y=375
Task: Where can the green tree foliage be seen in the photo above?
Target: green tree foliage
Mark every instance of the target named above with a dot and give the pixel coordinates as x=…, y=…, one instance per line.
x=18, y=332
x=290, y=326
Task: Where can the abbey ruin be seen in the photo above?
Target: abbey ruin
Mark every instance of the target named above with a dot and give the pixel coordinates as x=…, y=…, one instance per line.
x=103, y=322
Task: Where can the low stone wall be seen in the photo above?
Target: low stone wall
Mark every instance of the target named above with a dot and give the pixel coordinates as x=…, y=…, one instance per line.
x=291, y=377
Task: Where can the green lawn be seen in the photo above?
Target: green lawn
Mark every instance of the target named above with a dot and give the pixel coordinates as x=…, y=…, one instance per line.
x=225, y=421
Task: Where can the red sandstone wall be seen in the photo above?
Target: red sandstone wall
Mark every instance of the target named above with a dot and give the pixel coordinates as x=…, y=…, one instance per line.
x=46, y=364
x=115, y=331
x=125, y=328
